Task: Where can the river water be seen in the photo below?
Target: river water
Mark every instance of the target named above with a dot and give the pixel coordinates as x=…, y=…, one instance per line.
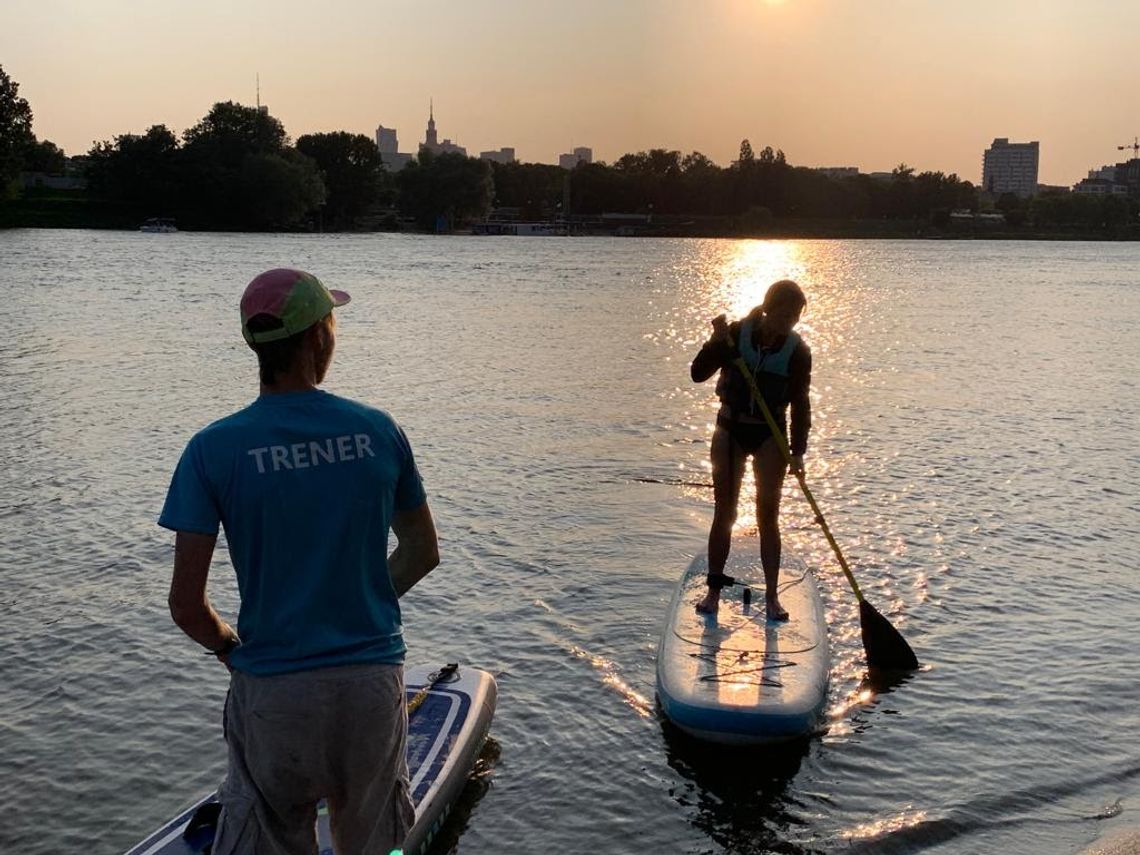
x=975, y=450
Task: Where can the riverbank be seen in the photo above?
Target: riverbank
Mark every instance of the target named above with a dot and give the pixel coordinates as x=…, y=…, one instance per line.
x=63, y=210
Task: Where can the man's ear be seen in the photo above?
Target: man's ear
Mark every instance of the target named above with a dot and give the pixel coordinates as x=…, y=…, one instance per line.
x=315, y=335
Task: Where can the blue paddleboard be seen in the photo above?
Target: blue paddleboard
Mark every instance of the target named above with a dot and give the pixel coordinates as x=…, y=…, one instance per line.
x=736, y=677
x=445, y=732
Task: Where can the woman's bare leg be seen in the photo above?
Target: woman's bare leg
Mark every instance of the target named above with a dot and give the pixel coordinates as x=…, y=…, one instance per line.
x=727, y=472
x=769, y=466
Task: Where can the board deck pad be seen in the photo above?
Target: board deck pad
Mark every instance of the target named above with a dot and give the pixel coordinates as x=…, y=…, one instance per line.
x=444, y=736
x=736, y=676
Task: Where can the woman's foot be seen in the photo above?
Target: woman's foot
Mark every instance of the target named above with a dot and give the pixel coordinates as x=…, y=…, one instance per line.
x=774, y=609
x=710, y=603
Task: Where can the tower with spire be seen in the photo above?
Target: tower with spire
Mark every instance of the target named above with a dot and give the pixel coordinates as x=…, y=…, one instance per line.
x=430, y=141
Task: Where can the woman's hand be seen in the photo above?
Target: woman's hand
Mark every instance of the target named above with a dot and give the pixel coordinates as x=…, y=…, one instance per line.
x=720, y=327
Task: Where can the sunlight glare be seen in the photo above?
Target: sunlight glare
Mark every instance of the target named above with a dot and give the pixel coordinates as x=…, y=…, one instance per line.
x=883, y=827
x=754, y=265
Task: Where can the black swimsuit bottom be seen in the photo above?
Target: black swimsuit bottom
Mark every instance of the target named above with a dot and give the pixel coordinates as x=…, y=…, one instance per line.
x=748, y=435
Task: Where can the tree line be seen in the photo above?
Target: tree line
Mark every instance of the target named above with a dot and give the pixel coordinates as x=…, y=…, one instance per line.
x=20, y=151
x=238, y=169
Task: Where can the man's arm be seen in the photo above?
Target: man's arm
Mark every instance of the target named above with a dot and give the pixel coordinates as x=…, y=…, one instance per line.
x=189, y=605
x=417, y=548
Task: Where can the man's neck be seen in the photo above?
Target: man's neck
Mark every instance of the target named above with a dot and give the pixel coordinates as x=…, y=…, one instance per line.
x=292, y=382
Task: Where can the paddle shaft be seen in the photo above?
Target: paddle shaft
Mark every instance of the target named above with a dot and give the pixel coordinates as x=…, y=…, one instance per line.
x=420, y=696
x=742, y=366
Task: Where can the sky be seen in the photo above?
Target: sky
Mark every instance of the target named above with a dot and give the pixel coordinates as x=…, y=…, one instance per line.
x=865, y=83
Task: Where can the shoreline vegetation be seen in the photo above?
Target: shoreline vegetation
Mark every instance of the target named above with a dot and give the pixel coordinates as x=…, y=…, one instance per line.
x=237, y=170
x=62, y=210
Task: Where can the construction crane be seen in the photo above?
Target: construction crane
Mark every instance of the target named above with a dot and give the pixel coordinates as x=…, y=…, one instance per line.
x=1135, y=147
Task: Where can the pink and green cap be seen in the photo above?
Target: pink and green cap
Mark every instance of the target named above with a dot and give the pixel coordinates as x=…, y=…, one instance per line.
x=296, y=298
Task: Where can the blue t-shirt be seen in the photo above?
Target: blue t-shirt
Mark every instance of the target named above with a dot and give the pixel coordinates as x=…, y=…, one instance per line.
x=305, y=484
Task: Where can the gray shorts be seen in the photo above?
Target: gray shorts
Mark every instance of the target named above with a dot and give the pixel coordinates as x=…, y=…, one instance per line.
x=333, y=733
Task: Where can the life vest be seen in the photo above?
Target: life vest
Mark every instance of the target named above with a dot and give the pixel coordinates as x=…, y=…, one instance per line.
x=770, y=369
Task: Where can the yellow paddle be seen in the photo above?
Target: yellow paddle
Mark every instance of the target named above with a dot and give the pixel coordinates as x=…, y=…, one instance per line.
x=885, y=647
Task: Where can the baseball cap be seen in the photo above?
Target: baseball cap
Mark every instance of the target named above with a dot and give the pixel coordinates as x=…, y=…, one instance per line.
x=296, y=298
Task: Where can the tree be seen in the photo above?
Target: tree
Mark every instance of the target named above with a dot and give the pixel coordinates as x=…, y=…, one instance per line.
x=45, y=156
x=352, y=170
x=596, y=189
x=746, y=155
x=534, y=188
x=1115, y=211
x=697, y=162
x=655, y=177
x=277, y=191
x=231, y=131
x=235, y=166
x=16, y=137
x=1008, y=202
x=137, y=169
x=702, y=182
x=450, y=187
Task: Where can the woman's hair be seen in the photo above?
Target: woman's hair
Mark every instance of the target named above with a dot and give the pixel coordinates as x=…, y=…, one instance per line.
x=277, y=357
x=785, y=291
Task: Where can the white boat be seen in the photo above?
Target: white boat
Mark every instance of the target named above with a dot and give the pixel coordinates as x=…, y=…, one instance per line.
x=158, y=225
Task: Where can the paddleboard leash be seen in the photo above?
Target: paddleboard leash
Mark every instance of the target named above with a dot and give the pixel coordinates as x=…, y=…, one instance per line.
x=438, y=677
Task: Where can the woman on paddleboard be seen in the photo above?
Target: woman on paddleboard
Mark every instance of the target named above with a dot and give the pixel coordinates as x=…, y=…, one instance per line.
x=780, y=363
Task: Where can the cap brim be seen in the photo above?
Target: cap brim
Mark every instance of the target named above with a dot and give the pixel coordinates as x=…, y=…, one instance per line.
x=339, y=297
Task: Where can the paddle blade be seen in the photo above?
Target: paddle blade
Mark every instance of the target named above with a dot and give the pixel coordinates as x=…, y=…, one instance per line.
x=886, y=649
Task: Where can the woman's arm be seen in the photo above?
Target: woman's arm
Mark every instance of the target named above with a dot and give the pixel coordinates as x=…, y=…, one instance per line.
x=799, y=387
x=716, y=352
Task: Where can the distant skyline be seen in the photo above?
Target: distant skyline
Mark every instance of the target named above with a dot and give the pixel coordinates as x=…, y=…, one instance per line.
x=865, y=83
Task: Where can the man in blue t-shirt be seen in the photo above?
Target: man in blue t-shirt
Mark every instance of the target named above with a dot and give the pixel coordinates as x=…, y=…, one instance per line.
x=307, y=486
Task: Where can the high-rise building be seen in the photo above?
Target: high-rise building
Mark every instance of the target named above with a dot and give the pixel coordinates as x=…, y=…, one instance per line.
x=503, y=155
x=581, y=154
x=1010, y=167
x=1121, y=179
x=389, y=148
x=386, y=140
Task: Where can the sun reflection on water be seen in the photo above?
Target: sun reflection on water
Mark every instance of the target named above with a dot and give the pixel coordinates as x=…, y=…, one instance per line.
x=754, y=265
x=910, y=818
x=608, y=670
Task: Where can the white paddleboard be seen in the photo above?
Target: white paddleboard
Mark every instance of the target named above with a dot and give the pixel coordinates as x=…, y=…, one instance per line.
x=445, y=733
x=737, y=677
